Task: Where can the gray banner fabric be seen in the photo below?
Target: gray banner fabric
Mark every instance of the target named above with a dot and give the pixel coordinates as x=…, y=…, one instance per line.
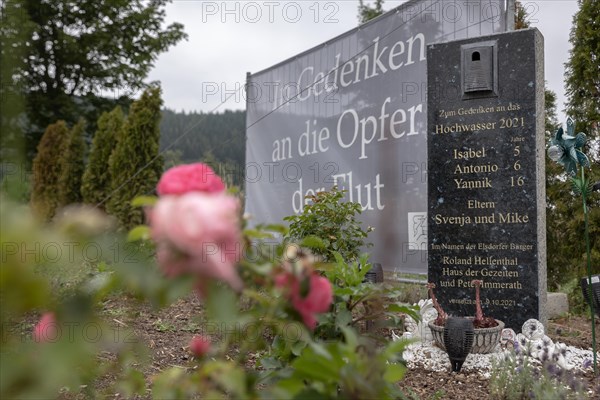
x=352, y=112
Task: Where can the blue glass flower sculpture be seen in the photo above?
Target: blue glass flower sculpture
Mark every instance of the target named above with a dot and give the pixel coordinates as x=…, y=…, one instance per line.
x=566, y=148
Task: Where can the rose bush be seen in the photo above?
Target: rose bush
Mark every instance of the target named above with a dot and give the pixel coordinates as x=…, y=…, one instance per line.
x=199, y=234
x=46, y=329
x=274, y=303
x=315, y=299
x=187, y=178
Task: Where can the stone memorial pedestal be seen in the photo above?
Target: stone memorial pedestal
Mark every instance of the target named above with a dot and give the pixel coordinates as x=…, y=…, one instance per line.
x=486, y=175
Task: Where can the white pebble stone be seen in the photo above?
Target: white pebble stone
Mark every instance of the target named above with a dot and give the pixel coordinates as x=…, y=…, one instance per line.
x=533, y=329
x=431, y=358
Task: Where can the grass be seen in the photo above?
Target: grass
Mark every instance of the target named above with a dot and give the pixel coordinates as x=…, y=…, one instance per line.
x=65, y=277
x=164, y=326
x=411, y=292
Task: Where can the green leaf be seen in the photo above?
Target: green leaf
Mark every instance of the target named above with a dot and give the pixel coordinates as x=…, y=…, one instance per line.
x=324, y=266
x=287, y=388
x=320, y=350
x=270, y=363
x=343, y=319
x=311, y=393
x=394, y=372
x=261, y=269
x=350, y=336
x=221, y=304
x=277, y=228
x=313, y=242
x=164, y=384
x=278, y=345
x=317, y=363
x=581, y=186
x=398, y=308
x=140, y=232
x=133, y=383
x=233, y=379
x=259, y=296
x=394, y=349
x=257, y=234
x=298, y=347
x=343, y=291
x=141, y=201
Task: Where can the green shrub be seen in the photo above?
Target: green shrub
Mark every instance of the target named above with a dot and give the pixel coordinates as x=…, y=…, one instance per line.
x=96, y=185
x=47, y=170
x=334, y=222
x=135, y=165
x=72, y=166
x=577, y=304
x=357, y=302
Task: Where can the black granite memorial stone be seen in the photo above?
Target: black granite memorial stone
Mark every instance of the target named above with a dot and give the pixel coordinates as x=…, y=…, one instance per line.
x=486, y=182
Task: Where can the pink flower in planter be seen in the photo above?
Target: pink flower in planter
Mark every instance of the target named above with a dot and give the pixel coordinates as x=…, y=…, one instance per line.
x=198, y=233
x=200, y=345
x=317, y=300
x=187, y=178
x=46, y=329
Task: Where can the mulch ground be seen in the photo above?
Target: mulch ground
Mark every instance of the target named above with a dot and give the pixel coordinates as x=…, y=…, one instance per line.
x=574, y=331
x=167, y=333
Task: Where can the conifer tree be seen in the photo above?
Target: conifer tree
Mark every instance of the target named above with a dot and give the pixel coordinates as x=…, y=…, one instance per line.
x=96, y=185
x=47, y=170
x=554, y=173
x=72, y=166
x=135, y=165
x=520, y=16
x=71, y=57
x=567, y=254
x=367, y=13
x=583, y=70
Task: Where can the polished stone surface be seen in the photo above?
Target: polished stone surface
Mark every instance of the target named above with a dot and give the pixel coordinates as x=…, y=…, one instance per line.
x=486, y=179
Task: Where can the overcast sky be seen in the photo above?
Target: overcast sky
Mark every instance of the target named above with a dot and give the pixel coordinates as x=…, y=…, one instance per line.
x=229, y=38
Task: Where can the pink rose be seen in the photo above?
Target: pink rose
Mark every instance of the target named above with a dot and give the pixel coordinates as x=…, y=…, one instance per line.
x=187, y=178
x=198, y=233
x=316, y=301
x=200, y=345
x=46, y=329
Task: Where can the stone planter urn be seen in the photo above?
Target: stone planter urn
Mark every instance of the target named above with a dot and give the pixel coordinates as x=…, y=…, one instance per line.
x=486, y=336
x=485, y=340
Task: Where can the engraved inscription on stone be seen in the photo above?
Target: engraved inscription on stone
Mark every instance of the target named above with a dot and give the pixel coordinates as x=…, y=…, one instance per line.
x=485, y=203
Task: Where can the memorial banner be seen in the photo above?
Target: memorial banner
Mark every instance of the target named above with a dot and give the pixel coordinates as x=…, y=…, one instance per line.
x=352, y=112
